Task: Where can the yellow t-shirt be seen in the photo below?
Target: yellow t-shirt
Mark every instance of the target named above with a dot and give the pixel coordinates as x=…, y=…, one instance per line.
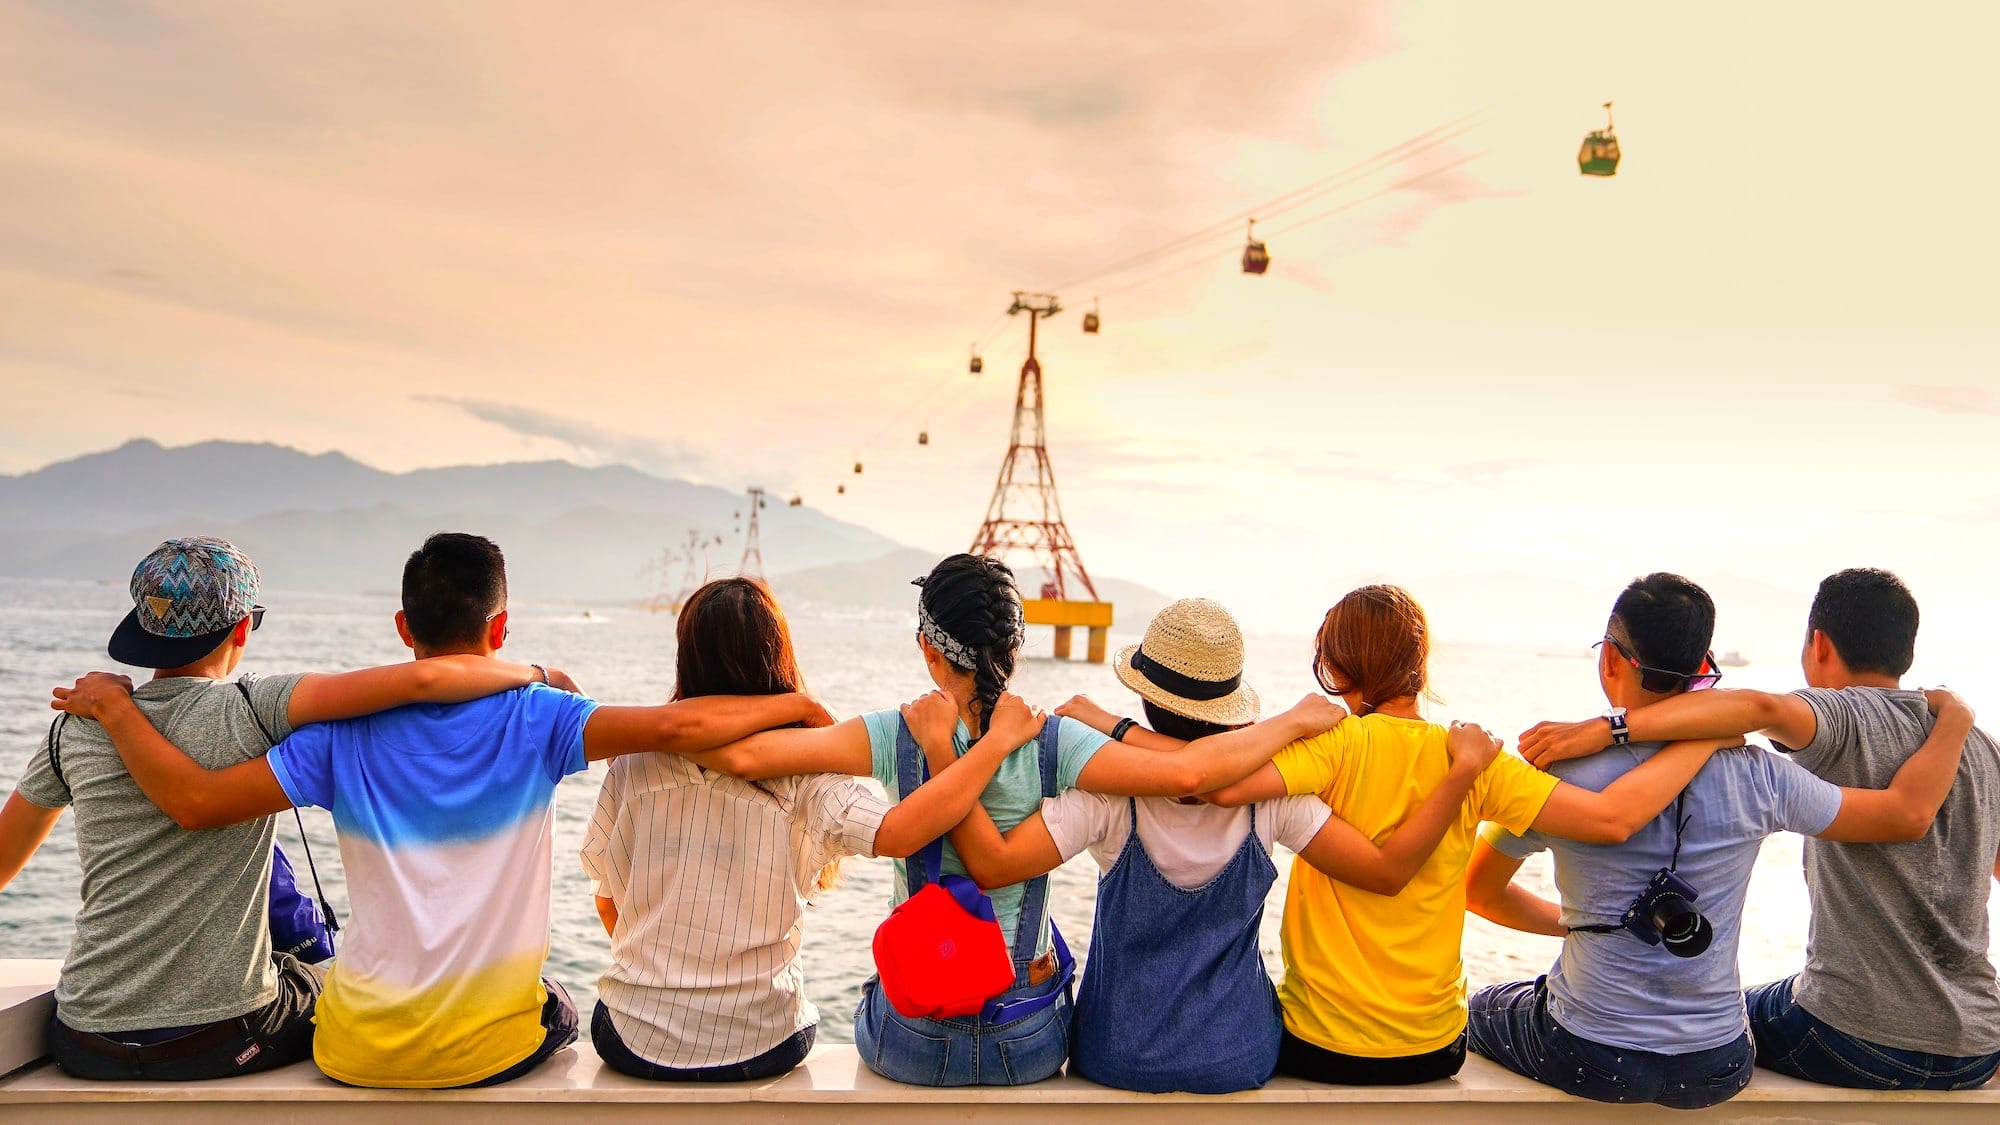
x=1374, y=976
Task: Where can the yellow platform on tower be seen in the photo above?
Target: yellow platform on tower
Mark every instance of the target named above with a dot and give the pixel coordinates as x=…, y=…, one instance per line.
x=1068, y=615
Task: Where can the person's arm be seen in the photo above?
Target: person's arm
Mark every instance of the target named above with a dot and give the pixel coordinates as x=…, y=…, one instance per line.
x=692, y=726
x=955, y=785
x=1490, y=893
x=1904, y=811
x=1784, y=717
x=324, y=696
x=607, y=913
x=189, y=792
x=1631, y=802
x=1267, y=784
x=1206, y=764
x=1340, y=851
x=1086, y=710
x=841, y=748
x=23, y=826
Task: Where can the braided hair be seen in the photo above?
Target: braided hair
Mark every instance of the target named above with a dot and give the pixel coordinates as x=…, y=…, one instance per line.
x=976, y=602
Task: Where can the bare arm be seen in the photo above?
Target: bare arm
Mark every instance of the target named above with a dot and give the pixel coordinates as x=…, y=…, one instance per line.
x=1631, y=802
x=324, y=696
x=23, y=826
x=841, y=748
x=992, y=860
x=1730, y=715
x=1905, y=810
x=954, y=788
x=691, y=726
x=1341, y=852
x=189, y=792
x=1086, y=711
x=1490, y=893
x=1205, y=764
x=1267, y=784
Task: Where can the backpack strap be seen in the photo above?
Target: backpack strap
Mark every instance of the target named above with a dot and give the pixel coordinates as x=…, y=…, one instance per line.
x=56, y=726
x=1035, y=895
x=912, y=770
x=319, y=892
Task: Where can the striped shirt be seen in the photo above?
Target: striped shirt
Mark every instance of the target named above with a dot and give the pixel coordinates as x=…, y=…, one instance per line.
x=711, y=876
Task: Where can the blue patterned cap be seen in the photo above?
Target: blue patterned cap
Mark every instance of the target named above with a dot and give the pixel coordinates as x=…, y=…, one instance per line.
x=185, y=595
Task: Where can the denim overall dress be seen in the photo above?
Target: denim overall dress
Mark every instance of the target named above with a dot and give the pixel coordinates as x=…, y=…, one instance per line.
x=1023, y=1035
x=1175, y=996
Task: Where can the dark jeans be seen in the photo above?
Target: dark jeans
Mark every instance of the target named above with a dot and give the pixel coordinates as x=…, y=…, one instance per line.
x=1301, y=1059
x=277, y=1034
x=772, y=1063
x=1511, y=1024
x=1791, y=1040
x=559, y=1031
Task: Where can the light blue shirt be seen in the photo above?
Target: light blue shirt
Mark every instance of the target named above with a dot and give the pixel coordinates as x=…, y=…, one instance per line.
x=1615, y=989
x=1013, y=794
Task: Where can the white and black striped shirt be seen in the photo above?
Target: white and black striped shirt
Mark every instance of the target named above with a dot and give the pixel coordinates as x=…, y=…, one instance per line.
x=711, y=876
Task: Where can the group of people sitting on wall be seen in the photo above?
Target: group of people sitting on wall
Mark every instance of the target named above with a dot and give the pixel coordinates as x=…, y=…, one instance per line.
x=724, y=811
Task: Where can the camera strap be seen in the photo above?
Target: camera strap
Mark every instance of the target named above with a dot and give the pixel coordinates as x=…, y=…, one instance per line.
x=1680, y=829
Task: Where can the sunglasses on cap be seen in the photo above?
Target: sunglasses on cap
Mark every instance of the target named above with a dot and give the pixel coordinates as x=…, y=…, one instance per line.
x=1659, y=681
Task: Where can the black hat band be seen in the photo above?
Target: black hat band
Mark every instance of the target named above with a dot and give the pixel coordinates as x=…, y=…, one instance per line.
x=1186, y=687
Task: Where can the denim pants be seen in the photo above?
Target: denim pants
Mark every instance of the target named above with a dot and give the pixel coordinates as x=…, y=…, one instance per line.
x=781, y=1059
x=1791, y=1040
x=278, y=1034
x=963, y=1052
x=1511, y=1024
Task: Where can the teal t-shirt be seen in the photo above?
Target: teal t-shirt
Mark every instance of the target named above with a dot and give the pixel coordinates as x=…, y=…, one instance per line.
x=1013, y=794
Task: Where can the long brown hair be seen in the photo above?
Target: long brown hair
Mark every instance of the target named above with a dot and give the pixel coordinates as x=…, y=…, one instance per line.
x=732, y=639
x=1375, y=643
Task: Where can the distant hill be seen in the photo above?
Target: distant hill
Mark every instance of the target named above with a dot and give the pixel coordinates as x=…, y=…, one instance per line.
x=328, y=522
x=884, y=584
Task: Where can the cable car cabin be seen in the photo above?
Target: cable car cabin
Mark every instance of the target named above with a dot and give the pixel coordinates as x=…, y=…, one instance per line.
x=1256, y=259
x=857, y=468
x=840, y=491
x=923, y=437
x=1599, y=154
x=1090, y=322
x=976, y=366
x=796, y=502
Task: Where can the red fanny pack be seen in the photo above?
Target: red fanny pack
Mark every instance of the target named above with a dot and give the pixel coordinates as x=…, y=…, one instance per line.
x=940, y=953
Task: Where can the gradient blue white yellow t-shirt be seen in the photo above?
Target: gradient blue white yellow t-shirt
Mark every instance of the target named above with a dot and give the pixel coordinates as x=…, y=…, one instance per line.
x=445, y=815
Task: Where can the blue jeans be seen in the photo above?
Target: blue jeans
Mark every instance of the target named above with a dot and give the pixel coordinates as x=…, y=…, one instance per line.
x=781, y=1059
x=1511, y=1024
x=962, y=1052
x=1791, y=1040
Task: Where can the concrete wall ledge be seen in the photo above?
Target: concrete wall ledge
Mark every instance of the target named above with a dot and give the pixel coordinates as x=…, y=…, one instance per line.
x=833, y=1086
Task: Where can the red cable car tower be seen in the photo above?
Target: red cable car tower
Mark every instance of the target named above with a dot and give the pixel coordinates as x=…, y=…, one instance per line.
x=1025, y=516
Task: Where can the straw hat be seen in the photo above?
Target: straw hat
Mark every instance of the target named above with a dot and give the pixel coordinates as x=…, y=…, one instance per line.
x=1191, y=663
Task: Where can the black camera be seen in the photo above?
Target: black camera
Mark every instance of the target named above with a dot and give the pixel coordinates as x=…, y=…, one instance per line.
x=1664, y=914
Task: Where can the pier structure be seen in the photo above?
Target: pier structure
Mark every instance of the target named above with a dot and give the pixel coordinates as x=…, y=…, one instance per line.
x=1025, y=517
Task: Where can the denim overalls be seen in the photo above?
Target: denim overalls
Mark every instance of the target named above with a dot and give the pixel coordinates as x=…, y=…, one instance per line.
x=1028, y=1041
x=1175, y=996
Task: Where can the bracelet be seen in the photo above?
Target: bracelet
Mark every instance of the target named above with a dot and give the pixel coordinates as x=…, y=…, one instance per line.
x=542, y=670
x=1124, y=725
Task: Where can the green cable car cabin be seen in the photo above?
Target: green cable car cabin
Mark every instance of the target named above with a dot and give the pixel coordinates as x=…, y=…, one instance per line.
x=1599, y=154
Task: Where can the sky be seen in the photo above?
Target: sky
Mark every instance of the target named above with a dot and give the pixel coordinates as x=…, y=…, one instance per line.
x=751, y=243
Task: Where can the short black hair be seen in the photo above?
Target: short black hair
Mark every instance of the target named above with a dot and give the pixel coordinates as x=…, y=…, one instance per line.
x=1870, y=617
x=1166, y=722
x=1668, y=620
x=452, y=586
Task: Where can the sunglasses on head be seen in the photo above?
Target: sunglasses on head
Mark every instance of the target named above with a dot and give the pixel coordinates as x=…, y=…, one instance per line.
x=1659, y=681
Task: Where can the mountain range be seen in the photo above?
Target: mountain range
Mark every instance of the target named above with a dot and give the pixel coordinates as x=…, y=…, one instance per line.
x=327, y=522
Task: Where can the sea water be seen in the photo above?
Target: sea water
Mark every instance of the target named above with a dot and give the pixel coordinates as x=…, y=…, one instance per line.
x=52, y=631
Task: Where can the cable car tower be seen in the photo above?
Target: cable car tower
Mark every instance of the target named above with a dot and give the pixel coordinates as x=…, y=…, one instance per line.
x=1025, y=516
x=752, y=565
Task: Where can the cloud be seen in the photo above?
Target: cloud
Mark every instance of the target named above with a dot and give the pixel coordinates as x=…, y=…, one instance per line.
x=589, y=442
x=1951, y=400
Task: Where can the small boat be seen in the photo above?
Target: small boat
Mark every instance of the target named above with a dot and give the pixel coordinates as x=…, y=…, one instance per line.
x=1732, y=659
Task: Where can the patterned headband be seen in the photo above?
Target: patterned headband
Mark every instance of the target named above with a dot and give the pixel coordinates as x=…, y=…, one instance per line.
x=954, y=651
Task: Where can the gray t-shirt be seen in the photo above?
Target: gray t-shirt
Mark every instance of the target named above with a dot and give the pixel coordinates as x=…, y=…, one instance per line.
x=1896, y=950
x=174, y=927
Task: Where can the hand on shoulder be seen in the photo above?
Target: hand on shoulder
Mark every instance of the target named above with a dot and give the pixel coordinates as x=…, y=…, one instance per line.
x=94, y=690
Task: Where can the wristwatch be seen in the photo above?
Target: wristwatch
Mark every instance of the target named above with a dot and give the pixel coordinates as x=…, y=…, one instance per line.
x=1621, y=731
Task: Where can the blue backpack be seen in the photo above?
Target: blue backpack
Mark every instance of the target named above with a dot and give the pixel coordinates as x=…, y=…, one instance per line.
x=301, y=926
